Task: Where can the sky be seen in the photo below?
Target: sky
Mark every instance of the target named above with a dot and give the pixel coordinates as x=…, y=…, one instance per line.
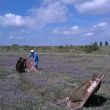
x=54, y=22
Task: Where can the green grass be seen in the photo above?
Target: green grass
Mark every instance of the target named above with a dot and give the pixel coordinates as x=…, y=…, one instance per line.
x=20, y=50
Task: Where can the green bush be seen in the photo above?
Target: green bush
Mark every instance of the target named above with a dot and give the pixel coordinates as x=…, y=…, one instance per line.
x=91, y=48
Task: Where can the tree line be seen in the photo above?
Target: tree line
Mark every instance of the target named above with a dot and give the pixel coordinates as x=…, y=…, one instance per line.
x=103, y=44
x=94, y=46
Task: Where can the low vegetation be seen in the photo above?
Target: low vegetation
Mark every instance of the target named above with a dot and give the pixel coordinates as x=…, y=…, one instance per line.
x=62, y=73
x=92, y=48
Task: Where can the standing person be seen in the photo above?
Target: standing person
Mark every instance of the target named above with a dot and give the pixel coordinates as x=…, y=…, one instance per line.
x=34, y=56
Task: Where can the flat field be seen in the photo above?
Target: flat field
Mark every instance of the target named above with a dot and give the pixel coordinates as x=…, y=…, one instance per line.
x=61, y=74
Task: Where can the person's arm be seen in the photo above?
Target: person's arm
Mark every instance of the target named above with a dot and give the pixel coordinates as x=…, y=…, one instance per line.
x=30, y=54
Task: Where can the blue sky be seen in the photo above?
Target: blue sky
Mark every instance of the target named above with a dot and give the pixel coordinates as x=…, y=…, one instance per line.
x=54, y=22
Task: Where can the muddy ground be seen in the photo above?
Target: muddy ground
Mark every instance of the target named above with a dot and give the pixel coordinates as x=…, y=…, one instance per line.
x=61, y=74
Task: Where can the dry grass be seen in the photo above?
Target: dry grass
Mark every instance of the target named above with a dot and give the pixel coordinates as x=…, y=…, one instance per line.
x=40, y=91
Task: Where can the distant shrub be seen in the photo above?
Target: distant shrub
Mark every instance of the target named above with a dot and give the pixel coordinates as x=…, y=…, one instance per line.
x=15, y=45
x=91, y=48
x=63, y=48
x=106, y=43
x=100, y=44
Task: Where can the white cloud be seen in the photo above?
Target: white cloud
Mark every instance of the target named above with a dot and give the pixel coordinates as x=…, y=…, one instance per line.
x=15, y=37
x=61, y=1
x=39, y=17
x=69, y=1
x=94, y=6
x=85, y=6
x=97, y=30
x=102, y=26
x=89, y=34
x=53, y=12
x=10, y=19
x=75, y=28
x=67, y=31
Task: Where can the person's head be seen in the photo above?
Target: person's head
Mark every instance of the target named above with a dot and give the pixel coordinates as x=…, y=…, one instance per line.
x=32, y=51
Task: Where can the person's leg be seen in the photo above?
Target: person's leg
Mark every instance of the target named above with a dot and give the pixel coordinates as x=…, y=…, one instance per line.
x=36, y=64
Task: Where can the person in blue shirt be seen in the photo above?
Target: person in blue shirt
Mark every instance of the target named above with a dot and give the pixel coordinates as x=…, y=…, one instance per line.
x=34, y=56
